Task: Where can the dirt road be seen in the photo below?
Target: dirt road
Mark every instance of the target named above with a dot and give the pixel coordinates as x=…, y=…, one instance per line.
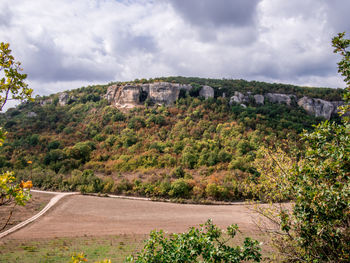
x=57, y=196
x=79, y=215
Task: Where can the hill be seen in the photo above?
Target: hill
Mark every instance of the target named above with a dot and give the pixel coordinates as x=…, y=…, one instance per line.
x=193, y=148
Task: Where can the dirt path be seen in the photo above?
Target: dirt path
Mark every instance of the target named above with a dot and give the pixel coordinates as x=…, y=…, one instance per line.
x=96, y=216
x=56, y=197
x=20, y=213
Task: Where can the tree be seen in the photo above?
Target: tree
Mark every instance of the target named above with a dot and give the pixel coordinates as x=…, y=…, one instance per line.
x=206, y=244
x=341, y=46
x=12, y=86
x=318, y=229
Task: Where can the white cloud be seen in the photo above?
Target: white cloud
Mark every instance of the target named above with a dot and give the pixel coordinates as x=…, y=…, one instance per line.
x=64, y=44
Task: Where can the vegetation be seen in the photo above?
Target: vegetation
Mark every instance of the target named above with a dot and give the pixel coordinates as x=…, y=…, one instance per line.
x=115, y=248
x=317, y=228
x=205, y=244
x=196, y=149
x=12, y=86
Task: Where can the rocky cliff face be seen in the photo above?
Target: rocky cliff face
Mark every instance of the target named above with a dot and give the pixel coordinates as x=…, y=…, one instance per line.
x=63, y=99
x=313, y=106
x=131, y=95
x=206, y=92
x=280, y=98
x=318, y=107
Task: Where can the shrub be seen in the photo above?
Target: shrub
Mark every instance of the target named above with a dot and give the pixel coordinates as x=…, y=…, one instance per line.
x=180, y=188
x=206, y=244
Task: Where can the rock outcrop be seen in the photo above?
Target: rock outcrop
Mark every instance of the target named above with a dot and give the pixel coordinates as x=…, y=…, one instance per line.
x=318, y=107
x=313, y=106
x=46, y=102
x=207, y=92
x=165, y=92
x=31, y=114
x=280, y=98
x=131, y=95
x=259, y=99
x=239, y=98
x=63, y=99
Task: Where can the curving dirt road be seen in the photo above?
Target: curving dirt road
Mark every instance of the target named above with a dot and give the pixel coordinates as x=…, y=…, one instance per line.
x=57, y=196
x=79, y=215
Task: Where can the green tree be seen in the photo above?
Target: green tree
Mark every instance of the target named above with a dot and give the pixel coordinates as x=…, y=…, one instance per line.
x=12, y=86
x=206, y=244
x=318, y=230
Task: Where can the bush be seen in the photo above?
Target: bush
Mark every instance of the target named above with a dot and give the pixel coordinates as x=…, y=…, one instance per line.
x=180, y=188
x=85, y=182
x=197, y=245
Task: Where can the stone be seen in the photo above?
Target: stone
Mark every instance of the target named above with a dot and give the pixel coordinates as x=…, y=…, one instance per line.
x=317, y=107
x=131, y=95
x=280, y=98
x=207, y=92
x=259, y=99
x=336, y=105
x=127, y=96
x=111, y=90
x=31, y=114
x=163, y=92
x=238, y=98
x=63, y=99
x=45, y=102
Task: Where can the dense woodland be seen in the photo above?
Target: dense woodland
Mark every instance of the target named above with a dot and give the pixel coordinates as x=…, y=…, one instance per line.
x=196, y=149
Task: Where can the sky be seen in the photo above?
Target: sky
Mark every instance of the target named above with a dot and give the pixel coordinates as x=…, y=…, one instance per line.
x=67, y=44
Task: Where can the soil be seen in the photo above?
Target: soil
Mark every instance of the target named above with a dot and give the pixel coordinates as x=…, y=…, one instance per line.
x=79, y=215
x=21, y=213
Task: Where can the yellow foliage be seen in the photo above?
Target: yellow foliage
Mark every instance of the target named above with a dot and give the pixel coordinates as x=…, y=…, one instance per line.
x=274, y=167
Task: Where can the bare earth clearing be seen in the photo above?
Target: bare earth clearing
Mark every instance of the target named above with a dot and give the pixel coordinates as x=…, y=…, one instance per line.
x=80, y=215
x=21, y=213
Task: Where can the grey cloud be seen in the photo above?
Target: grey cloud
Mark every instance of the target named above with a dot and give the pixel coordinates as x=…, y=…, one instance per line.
x=127, y=43
x=6, y=15
x=45, y=61
x=338, y=14
x=218, y=12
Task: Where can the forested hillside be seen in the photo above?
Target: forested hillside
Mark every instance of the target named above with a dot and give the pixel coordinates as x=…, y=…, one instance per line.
x=196, y=149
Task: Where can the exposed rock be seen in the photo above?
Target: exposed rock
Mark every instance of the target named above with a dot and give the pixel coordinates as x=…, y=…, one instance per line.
x=280, y=98
x=239, y=98
x=336, y=105
x=207, y=92
x=164, y=92
x=317, y=107
x=127, y=96
x=259, y=99
x=63, y=99
x=131, y=95
x=31, y=114
x=45, y=102
x=111, y=90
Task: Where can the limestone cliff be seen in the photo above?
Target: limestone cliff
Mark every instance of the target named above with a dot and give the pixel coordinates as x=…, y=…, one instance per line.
x=318, y=107
x=313, y=106
x=131, y=95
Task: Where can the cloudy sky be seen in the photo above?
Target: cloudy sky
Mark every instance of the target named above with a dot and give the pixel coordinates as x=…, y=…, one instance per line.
x=65, y=44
